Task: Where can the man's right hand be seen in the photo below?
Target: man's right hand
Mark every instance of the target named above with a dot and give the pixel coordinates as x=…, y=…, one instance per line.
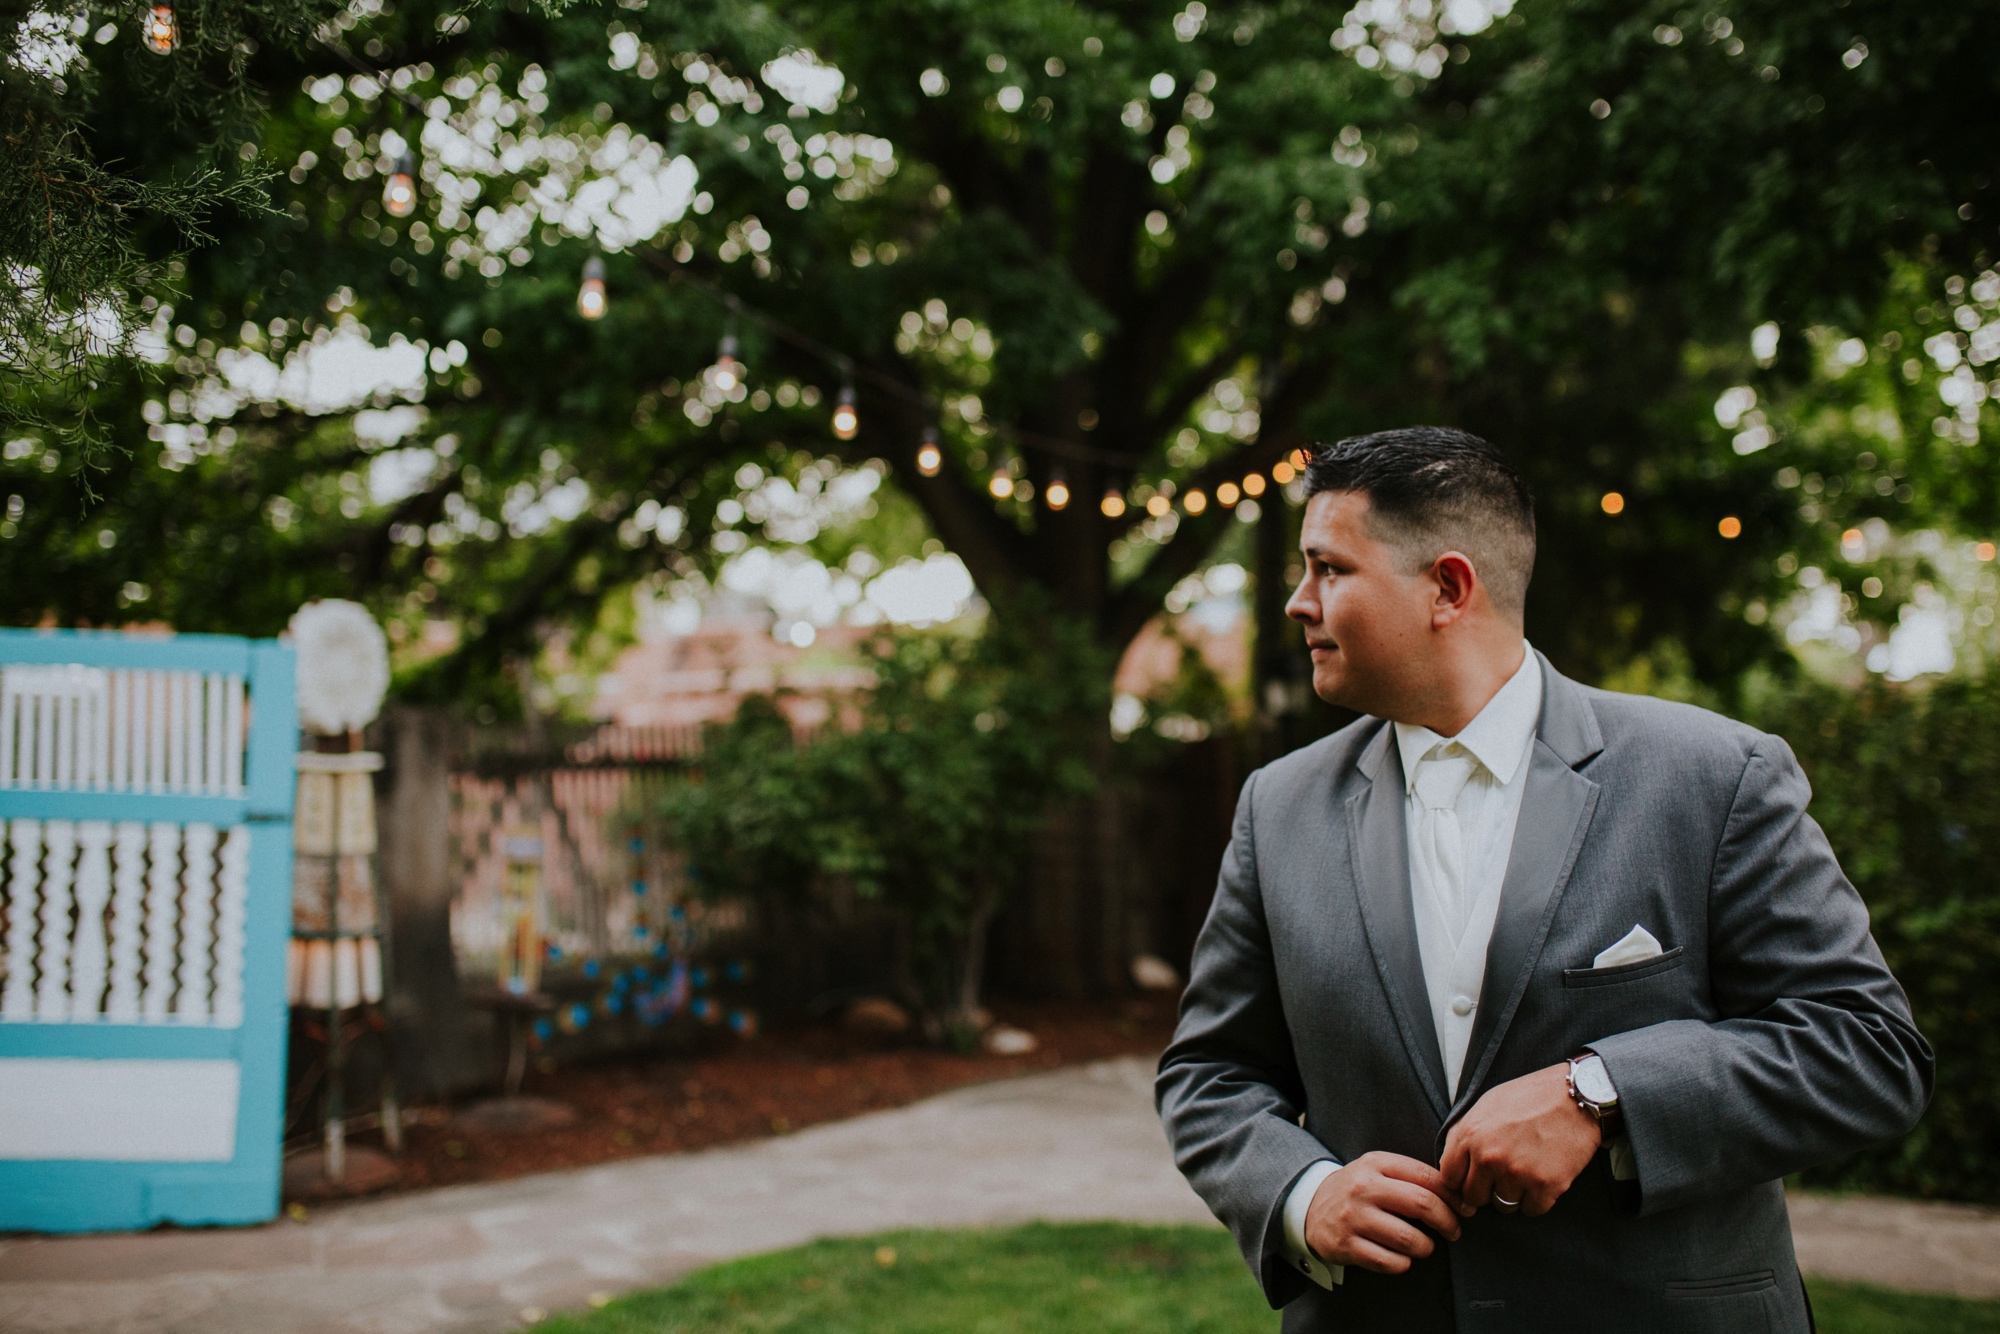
x=1365, y=1213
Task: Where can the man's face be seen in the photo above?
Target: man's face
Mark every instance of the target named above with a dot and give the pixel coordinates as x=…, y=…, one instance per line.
x=1366, y=613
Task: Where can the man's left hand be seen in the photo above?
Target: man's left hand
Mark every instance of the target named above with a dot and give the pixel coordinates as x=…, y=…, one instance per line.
x=1522, y=1144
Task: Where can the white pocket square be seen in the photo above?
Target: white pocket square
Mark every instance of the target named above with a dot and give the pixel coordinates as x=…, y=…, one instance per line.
x=1637, y=944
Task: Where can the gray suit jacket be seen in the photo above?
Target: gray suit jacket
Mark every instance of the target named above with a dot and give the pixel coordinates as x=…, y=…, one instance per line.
x=1768, y=1037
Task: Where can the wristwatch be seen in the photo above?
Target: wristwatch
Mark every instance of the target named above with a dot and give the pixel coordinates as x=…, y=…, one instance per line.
x=1590, y=1086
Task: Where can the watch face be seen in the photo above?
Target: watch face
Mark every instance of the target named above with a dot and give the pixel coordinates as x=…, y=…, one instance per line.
x=1593, y=1083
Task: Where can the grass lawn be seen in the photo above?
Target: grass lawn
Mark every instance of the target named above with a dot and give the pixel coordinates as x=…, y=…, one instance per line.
x=1092, y=1278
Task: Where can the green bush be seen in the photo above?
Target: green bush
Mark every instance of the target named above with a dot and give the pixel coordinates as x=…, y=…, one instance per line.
x=1906, y=783
x=926, y=799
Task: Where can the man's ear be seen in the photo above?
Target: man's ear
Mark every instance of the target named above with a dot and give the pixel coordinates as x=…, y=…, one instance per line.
x=1457, y=583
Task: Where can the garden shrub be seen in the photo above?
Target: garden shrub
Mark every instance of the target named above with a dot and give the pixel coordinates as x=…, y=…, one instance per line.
x=925, y=801
x=1906, y=783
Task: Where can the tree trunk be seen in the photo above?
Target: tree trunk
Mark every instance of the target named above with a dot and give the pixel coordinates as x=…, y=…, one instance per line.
x=972, y=961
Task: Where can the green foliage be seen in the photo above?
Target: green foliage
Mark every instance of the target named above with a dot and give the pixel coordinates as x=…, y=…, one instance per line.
x=116, y=162
x=1134, y=287
x=1905, y=783
x=1866, y=437
x=925, y=800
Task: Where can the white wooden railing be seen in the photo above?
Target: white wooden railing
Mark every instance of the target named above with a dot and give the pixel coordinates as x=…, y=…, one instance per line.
x=125, y=923
x=67, y=727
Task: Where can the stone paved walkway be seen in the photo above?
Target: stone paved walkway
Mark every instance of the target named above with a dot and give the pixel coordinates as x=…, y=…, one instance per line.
x=1072, y=1144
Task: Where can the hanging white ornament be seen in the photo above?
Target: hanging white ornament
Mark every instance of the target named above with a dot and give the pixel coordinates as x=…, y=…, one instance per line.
x=343, y=666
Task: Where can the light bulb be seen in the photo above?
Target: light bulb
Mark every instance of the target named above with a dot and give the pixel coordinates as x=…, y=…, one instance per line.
x=1253, y=485
x=1282, y=472
x=929, y=457
x=1226, y=494
x=846, y=420
x=727, y=372
x=1057, y=491
x=160, y=30
x=1001, y=484
x=1194, y=502
x=399, y=195
x=590, y=298
x=1113, y=504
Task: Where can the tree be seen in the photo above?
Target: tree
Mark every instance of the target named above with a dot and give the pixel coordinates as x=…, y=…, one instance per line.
x=116, y=160
x=1152, y=221
x=1154, y=246
x=927, y=806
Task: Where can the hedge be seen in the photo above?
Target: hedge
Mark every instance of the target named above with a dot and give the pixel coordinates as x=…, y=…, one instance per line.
x=1906, y=782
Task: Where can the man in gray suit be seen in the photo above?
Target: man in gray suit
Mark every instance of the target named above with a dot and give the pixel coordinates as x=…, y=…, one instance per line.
x=1518, y=999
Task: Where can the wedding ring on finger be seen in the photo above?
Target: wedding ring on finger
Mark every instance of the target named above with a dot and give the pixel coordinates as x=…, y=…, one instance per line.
x=1503, y=1204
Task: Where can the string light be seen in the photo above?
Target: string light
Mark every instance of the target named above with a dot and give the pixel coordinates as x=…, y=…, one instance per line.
x=1001, y=484
x=160, y=30
x=591, y=295
x=1194, y=502
x=1730, y=527
x=1253, y=485
x=846, y=418
x=1057, y=492
x=727, y=372
x=929, y=457
x=590, y=299
x=1613, y=503
x=399, y=194
x=1158, y=506
x=1282, y=472
x=1113, y=504
x=1226, y=495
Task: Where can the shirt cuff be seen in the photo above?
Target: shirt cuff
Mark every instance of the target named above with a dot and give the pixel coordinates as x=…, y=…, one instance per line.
x=1296, y=1204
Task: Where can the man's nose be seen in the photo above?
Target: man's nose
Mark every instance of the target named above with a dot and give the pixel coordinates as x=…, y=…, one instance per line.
x=1303, y=607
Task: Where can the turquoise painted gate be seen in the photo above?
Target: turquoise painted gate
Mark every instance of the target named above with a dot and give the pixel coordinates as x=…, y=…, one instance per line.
x=145, y=804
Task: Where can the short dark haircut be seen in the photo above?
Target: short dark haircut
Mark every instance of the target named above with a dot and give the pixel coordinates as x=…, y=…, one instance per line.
x=1432, y=489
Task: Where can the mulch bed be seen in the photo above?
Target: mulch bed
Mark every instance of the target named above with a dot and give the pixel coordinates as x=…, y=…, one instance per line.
x=779, y=1082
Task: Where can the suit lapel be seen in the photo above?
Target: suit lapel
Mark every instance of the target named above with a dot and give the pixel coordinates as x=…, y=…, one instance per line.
x=1379, y=846
x=1556, y=810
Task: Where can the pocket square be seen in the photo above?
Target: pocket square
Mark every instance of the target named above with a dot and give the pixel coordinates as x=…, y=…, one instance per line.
x=1637, y=944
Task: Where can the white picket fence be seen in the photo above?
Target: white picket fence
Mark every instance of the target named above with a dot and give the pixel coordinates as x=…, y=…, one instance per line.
x=68, y=727
x=123, y=922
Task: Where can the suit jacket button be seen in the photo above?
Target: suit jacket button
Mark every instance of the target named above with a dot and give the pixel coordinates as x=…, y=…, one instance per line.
x=1461, y=1006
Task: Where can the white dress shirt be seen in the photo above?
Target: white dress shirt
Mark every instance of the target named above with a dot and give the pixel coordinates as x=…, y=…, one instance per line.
x=1462, y=798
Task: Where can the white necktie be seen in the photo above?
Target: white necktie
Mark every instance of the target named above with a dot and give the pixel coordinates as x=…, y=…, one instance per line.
x=1441, y=776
